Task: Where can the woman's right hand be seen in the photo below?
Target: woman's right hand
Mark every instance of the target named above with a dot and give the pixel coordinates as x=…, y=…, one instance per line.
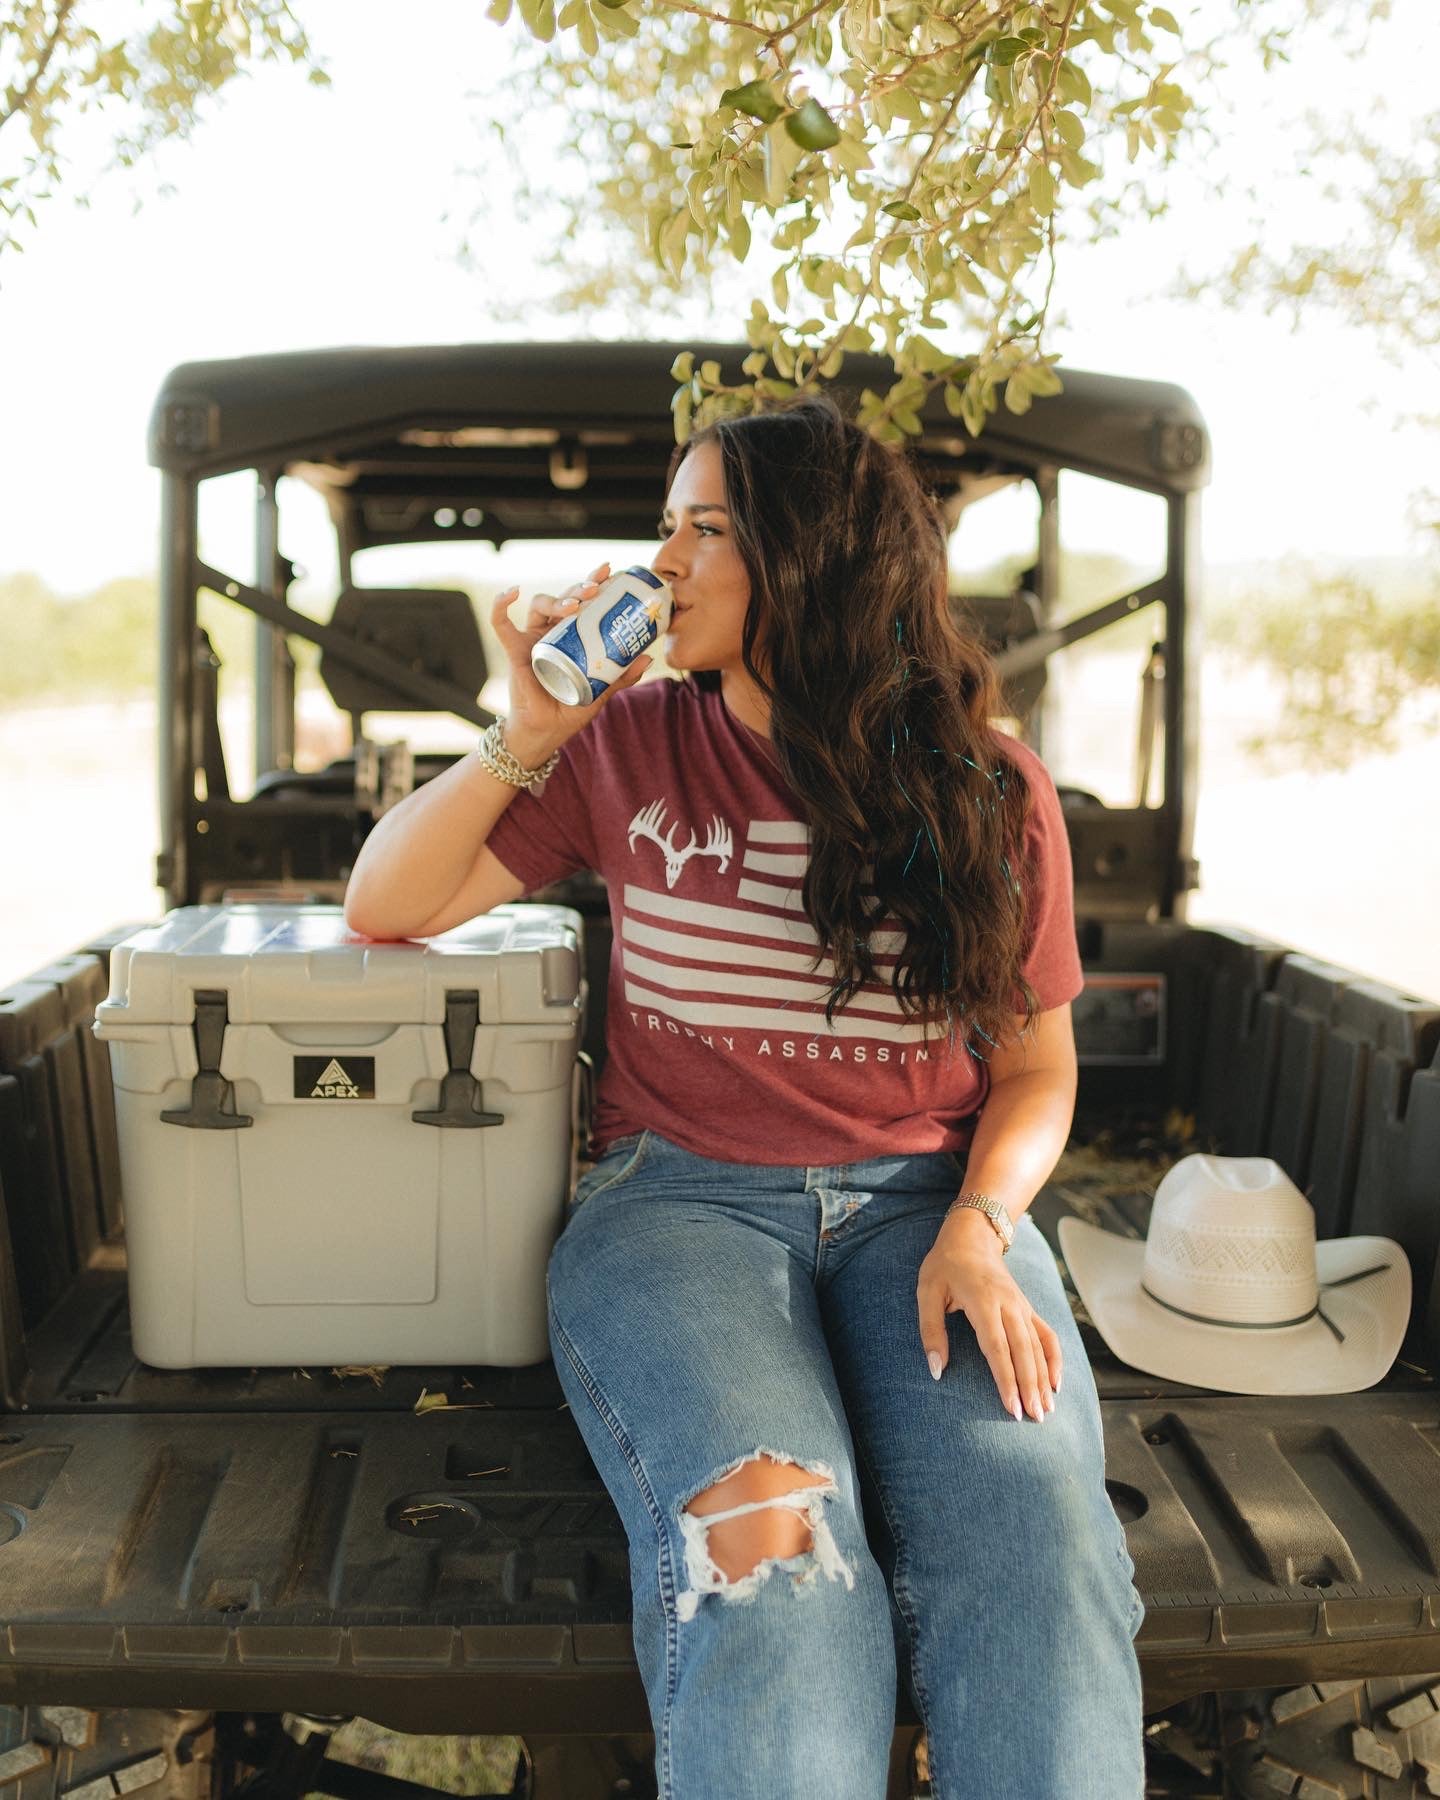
x=537, y=723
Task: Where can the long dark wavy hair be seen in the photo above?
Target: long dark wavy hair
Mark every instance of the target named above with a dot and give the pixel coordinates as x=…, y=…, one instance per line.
x=879, y=715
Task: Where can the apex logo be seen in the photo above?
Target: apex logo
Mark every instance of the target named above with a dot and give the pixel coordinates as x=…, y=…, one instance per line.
x=330, y=1078
x=334, y=1084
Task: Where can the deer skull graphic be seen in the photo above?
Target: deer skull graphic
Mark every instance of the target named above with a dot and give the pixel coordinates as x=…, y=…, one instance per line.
x=718, y=841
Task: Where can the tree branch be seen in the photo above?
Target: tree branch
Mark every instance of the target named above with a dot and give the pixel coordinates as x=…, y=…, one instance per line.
x=16, y=101
x=703, y=12
x=795, y=24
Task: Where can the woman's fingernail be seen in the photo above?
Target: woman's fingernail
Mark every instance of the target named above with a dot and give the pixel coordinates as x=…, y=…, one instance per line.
x=1015, y=1408
x=934, y=1360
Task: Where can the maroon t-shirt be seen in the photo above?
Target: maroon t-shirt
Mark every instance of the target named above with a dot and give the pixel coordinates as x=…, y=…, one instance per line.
x=715, y=1034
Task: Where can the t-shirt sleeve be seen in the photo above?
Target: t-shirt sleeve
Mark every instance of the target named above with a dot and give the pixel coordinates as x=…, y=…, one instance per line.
x=547, y=833
x=1051, y=962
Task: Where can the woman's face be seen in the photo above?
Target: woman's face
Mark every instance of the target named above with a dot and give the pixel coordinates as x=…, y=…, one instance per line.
x=699, y=559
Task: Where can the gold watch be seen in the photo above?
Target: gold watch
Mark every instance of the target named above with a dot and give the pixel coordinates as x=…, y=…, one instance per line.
x=994, y=1210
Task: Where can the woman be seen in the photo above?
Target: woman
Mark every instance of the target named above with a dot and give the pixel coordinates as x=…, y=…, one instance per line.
x=825, y=1398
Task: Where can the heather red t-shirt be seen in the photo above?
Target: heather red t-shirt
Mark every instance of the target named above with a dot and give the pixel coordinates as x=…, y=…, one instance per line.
x=715, y=1033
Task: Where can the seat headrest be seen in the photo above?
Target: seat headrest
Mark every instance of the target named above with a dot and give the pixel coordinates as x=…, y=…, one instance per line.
x=433, y=630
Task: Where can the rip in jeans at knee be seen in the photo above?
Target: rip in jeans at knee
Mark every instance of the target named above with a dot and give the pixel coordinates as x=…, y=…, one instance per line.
x=821, y=1557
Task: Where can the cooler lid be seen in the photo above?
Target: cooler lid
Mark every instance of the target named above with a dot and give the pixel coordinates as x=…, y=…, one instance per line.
x=290, y=964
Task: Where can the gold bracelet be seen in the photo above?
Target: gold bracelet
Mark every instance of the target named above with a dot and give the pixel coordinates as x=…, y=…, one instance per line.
x=501, y=763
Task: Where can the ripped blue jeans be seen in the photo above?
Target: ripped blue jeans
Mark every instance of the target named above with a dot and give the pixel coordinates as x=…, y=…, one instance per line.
x=706, y=1314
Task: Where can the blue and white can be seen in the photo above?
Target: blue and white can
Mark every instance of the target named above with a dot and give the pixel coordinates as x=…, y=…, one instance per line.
x=578, y=659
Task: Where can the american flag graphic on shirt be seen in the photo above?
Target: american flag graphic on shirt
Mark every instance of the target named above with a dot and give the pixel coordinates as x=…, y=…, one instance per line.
x=747, y=964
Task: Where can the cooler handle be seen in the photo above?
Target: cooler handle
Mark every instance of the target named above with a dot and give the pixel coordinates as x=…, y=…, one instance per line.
x=461, y=1101
x=212, y=1097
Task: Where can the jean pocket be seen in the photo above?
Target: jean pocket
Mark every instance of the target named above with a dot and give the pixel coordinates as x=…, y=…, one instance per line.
x=621, y=1159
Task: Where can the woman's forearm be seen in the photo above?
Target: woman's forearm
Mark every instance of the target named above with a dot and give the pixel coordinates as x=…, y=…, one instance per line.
x=1022, y=1130
x=417, y=856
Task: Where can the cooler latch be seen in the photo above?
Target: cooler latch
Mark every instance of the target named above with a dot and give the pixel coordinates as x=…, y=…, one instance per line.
x=212, y=1097
x=461, y=1102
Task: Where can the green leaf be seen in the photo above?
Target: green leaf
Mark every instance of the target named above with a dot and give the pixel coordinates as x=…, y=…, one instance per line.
x=901, y=209
x=683, y=366
x=754, y=363
x=710, y=372
x=812, y=127
x=968, y=279
x=616, y=21
x=1073, y=85
x=781, y=289
x=1042, y=379
x=756, y=99
x=1042, y=189
x=1164, y=20
x=782, y=157
x=1071, y=128
x=1017, y=399
x=672, y=242
x=852, y=155
x=740, y=236
x=1007, y=50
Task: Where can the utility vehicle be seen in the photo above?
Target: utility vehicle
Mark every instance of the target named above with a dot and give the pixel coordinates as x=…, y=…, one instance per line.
x=202, y=1573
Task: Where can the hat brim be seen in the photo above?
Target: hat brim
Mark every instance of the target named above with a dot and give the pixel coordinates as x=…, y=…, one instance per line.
x=1290, y=1359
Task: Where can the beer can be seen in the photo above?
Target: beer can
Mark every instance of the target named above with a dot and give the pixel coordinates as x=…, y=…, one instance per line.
x=582, y=656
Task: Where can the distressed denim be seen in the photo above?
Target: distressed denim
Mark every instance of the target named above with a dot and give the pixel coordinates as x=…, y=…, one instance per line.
x=705, y=1313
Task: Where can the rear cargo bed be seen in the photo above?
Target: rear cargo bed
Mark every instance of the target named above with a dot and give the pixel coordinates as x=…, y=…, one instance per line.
x=239, y=1537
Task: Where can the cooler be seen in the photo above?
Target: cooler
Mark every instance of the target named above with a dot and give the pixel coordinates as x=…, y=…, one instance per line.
x=336, y=1151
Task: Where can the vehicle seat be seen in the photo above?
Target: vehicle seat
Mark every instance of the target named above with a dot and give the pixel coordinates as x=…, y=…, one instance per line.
x=429, y=630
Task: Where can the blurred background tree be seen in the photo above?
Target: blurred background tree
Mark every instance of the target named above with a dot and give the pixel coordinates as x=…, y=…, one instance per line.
x=63, y=67
x=1358, y=657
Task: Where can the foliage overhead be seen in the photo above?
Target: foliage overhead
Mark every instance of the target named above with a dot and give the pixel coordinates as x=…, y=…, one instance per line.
x=63, y=58
x=908, y=165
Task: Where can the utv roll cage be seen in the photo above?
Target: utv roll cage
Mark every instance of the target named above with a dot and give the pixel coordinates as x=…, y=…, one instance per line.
x=497, y=442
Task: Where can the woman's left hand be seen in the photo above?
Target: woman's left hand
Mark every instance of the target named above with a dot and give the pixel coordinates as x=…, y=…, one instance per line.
x=965, y=1272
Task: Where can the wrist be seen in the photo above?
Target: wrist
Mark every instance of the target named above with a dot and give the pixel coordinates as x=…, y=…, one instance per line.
x=529, y=749
x=969, y=1227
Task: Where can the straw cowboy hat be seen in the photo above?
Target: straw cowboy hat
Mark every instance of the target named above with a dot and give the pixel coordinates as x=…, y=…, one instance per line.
x=1230, y=1289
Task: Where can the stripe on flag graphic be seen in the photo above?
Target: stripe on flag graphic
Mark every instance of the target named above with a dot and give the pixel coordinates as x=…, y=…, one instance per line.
x=726, y=966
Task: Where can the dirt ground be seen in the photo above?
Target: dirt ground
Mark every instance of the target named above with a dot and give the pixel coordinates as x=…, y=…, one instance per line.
x=1342, y=866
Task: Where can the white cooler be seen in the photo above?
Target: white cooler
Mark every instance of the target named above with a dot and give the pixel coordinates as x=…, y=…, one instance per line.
x=342, y=1152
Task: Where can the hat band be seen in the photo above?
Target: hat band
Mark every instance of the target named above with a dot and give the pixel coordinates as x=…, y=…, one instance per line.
x=1235, y=1324
x=1273, y=1324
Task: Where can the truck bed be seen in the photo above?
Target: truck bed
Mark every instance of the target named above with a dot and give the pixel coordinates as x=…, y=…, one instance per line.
x=208, y=1537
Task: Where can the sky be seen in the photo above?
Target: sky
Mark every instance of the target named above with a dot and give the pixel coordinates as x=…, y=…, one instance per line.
x=300, y=216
